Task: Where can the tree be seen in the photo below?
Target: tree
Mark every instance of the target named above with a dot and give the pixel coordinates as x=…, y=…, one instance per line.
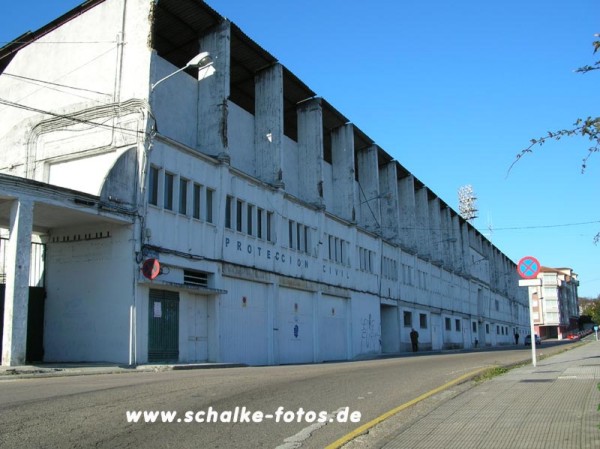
x=588, y=128
x=592, y=309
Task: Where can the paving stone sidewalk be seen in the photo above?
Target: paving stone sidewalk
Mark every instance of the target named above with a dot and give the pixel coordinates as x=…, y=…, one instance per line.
x=551, y=406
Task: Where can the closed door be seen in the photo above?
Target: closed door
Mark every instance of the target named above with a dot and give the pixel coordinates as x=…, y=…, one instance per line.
x=163, y=326
x=197, y=330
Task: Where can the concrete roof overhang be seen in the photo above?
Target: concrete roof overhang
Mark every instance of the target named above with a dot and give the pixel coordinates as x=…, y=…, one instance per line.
x=58, y=207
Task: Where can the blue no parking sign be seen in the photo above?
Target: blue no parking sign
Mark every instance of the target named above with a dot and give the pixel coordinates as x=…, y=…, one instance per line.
x=528, y=267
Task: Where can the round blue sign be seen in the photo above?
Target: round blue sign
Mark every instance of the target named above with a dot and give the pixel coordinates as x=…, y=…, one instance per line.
x=528, y=267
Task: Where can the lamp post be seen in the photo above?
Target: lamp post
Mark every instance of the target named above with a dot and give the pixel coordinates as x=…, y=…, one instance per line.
x=200, y=61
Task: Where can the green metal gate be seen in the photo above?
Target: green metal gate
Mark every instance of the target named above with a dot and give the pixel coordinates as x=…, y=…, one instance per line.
x=163, y=326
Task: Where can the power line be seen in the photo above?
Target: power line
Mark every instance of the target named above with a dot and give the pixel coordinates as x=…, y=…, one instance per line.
x=50, y=83
x=546, y=226
x=70, y=117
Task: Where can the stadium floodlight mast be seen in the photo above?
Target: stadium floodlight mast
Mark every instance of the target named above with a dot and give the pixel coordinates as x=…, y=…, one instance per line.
x=466, y=203
x=200, y=61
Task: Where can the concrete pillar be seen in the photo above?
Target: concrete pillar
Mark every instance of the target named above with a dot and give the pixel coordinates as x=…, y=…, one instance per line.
x=16, y=299
x=465, y=246
x=422, y=223
x=310, y=152
x=459, y=256
x=435, y=230
x=268, y=125
x=406, y=195
x=369, y=198
x=390, y=217
x=213, y=93
x=342, y=152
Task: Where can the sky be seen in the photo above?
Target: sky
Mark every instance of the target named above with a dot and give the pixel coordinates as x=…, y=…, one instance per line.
x=453, y=91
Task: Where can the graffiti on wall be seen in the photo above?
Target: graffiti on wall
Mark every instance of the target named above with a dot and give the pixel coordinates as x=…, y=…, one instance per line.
x=369, y=335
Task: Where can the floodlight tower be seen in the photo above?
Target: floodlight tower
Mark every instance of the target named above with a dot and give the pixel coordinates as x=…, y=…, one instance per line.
x=466, y=203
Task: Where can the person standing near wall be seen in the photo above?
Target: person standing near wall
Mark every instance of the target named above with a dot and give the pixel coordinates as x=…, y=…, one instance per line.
x=414, y=339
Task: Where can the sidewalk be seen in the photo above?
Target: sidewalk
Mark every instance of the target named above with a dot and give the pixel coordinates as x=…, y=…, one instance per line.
x=82, y=369
x=554, y=405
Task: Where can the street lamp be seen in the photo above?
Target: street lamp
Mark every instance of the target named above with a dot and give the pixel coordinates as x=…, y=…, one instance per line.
x=200, y=61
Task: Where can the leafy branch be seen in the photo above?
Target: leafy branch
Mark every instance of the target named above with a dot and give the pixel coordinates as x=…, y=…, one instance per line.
x=588, y=128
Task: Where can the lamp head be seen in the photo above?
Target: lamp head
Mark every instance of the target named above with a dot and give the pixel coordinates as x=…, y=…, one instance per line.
x=201, y=60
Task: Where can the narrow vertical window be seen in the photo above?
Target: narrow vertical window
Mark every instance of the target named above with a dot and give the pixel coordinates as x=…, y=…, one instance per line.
x=169, y=181
x=153, y=186
x=210, y=193
x=298, y=236
x=196, y=199
x=270, y=236
x=183, y=195
x=290, y=234
x=228, y=206
x=249, y=218
x=259, y=222
x=239, y=210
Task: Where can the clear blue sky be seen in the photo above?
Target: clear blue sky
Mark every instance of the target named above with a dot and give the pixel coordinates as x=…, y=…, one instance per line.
x=452, y=90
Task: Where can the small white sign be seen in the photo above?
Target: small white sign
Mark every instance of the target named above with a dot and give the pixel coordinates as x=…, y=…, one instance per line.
x=157, y=309
x=530, y=282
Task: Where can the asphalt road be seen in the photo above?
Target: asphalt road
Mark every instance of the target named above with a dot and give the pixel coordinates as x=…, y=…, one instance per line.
x=91, y=411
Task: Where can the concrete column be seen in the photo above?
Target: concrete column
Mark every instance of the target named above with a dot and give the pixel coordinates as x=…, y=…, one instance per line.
x=310, y=152
x=342, y=151
x=213, y=93
x=390, y=217
x=406, y=194
x=447, y=254
x=422, y=223
x=369, y=198
x=465, y=246
x=268, y=125
x=16, y=299
x=459, y=256
x=435, y=231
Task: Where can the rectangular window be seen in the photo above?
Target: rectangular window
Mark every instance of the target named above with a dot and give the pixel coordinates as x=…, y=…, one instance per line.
x=196, y=196
x=270, y=236
x=153, y=186
x=474, y=326
x=457, y=325
x=290, y=234
x=239, y=210
x=249, y=218
x=423, y=320
x=407, y=319
x=306, y=237
x=210, y=194
x=228, y=206
x=448, y=324
x=169, y=185
x=330, y=247
x=183, y=195
x=259, y=222
x=487, y=328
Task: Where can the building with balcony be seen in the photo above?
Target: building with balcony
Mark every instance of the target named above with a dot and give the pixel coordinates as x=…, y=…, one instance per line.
x=225, y=214
x=555, y=303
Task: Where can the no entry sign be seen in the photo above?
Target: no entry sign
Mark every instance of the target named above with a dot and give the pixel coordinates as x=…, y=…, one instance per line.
x=528, y=267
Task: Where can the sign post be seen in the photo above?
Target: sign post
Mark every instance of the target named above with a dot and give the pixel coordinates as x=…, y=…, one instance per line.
x=528, y=268
x=596, y=331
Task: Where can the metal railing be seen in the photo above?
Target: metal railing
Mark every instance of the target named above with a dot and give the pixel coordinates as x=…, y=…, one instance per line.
x=36, y=269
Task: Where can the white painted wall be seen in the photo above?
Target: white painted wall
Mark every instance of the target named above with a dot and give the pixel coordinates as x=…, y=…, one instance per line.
x=89, y=293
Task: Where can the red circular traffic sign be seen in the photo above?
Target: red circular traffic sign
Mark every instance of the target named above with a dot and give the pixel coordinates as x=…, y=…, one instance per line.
x=151, y=268
x=528, y=267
